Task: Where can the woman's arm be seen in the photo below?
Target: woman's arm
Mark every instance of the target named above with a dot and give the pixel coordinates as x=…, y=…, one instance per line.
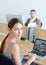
x=16, y=54
x=31, y=59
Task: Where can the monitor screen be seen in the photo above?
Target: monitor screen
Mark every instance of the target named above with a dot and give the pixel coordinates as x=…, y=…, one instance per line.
x=10, y=16
x=40, y=46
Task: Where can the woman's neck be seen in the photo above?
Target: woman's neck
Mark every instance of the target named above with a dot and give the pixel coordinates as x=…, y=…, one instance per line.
x=11, y=38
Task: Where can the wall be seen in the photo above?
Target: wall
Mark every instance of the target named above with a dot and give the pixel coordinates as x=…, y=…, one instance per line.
x=23, y=7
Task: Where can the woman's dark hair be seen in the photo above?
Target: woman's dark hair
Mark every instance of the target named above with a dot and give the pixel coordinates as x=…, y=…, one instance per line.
x=11, y=23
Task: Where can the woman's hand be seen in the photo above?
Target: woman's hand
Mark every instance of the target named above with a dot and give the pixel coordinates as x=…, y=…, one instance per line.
x=27, y=52
x=31, y=55
x=32, y=58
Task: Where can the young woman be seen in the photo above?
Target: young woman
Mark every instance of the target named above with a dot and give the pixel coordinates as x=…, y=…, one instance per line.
x=9, y=46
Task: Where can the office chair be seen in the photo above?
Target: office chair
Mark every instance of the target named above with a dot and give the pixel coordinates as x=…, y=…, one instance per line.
x=5, y=60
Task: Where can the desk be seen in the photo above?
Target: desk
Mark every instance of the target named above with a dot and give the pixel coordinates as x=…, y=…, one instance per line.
x=39, y=62
x=28, y=45
x=25, y=45
x=40, y=33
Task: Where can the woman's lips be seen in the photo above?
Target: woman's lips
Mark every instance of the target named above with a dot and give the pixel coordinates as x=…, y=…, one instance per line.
x=18, y=35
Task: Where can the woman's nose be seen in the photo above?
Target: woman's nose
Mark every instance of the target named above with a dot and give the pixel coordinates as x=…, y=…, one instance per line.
x=19, y=31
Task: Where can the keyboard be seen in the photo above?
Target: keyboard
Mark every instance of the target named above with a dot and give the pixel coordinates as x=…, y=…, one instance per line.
x=38, y=53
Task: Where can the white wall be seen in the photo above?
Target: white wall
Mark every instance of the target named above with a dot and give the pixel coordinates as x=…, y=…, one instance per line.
x=23, y=7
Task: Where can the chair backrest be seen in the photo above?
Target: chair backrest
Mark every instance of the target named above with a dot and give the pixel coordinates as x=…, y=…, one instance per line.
x=5, y=60
x=40, y=33
x=3, y=28
x=25, y=32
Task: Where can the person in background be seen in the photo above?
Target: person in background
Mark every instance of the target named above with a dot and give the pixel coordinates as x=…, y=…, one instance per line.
x=32, y=22
x=10, y=48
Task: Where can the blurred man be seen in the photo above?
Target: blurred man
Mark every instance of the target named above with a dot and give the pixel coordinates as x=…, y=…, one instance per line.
x=32, y=22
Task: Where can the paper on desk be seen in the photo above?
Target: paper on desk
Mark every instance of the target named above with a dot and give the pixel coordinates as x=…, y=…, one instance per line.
x=32, y=25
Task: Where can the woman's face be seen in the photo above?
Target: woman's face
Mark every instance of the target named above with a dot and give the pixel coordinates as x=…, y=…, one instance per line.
x=17, y=30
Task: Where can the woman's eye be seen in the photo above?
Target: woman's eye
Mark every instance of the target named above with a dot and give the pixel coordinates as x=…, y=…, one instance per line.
x=16, y=29
x=19, y=29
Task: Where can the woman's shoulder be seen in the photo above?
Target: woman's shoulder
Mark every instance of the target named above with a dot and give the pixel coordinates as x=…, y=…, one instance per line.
x=15, y=46
x=14, y=49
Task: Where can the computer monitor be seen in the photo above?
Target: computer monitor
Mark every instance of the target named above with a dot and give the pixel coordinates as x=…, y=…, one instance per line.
x=40, y=46
x=10, y=16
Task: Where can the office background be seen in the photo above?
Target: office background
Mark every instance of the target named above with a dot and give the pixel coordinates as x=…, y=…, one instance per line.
x=23, y=7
